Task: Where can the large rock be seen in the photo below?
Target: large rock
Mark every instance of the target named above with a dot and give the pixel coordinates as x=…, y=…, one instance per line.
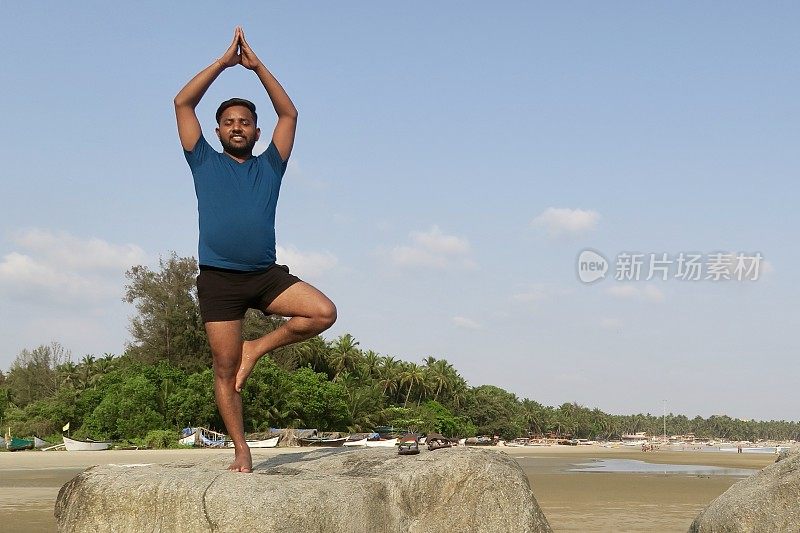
x=338, y=490
x=766, y=501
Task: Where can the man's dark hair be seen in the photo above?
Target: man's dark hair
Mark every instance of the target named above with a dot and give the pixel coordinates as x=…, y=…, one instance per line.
x=237, y=101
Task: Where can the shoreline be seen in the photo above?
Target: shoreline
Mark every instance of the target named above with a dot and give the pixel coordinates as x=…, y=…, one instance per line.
x=609, y=501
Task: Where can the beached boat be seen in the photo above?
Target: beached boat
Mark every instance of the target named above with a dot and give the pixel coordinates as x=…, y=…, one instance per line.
x=359, y=442
x=38, y=443
x=14, y=444
x=322, y=441
x=210, y=439
x=74, y=445
x=263, y=443
x=479, y=441
x=383, y=443
x=188, y=440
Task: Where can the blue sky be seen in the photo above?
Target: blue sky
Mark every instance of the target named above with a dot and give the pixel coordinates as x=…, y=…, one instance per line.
x=451, y=162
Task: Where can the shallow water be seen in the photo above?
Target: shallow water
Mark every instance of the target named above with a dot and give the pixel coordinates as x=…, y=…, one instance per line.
x=633, y=466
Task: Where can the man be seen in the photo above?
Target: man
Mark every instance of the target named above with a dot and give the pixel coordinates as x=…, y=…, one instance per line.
x=236, y=195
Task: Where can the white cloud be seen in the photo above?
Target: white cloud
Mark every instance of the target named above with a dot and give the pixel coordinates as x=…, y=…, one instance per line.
x=558, y=222
x=305, y=264
x=57, y=267
x=69, y=252
x=465, y=323
x=648, y=292
x=433, y=248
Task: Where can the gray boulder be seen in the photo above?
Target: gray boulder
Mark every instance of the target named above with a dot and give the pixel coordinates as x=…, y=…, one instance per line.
x=767, y=501
x=336, y=490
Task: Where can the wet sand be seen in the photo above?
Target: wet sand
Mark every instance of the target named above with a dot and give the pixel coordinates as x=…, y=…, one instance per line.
x=572, y=501
x=601, y=501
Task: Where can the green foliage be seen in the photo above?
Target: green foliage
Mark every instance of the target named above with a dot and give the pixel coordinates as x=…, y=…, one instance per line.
x=494, y=411
x=163, y=383
x=192, y=404
x=316, y=402
x=162, y=438
x=126, y=410
x=168, y=326
x=34, y=374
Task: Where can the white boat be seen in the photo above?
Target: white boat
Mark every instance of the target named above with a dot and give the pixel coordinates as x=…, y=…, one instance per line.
x=73, y=445
x=188, y=440
x=264, y=443
x=360, y=442
x=388, y=443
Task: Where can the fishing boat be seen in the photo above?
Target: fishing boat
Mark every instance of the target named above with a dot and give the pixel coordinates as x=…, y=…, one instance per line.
x=359, y=442
x=322, y=441
x=189, y=437
x=14, y=444
x=263, y=443
x=382, y=443
x=38, y=443
x=88, y=445
x=210, y=438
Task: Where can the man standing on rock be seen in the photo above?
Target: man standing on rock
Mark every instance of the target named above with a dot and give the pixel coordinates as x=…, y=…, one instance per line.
x=237, y=194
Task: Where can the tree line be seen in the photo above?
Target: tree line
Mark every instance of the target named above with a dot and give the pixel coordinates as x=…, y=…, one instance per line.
x=163, y=382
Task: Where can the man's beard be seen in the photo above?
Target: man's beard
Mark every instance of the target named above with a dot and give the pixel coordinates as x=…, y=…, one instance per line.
x=240, y=150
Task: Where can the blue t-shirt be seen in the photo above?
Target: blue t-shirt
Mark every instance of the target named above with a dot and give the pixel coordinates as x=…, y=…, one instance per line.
x=236, y=206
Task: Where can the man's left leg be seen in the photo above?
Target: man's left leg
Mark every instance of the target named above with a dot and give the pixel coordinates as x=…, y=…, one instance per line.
x=225, y=337
x=312, y=313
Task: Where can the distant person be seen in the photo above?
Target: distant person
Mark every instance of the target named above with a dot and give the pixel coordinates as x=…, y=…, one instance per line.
x=237, y=194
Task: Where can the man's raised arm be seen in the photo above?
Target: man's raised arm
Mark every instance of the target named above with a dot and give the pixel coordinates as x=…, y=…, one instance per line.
x=186, y=100
x=283, y=136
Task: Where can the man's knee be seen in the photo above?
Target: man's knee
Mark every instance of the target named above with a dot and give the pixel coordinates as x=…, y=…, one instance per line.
x=325, y=314
x=226, y=365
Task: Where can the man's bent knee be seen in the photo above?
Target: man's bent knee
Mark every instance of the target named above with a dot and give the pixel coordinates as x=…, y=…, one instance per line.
x=325, y=315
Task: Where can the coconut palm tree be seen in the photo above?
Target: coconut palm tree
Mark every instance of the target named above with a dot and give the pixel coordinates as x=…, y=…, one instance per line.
x=313, y=352
x=413, y=375
x=389, y=374
x=441, y=375
x=88, y=374
x=344, y=354
x=371, y=364
x=68, y=374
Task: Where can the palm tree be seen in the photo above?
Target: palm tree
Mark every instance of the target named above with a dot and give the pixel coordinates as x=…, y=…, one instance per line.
x=413, y=375
x=458, y=391
x=344, y=354
x=68, y=374
x=389, y=373
x=441, y=374
x=371, y=364
x=429, y=361
x=87, y=371
x=313, y=352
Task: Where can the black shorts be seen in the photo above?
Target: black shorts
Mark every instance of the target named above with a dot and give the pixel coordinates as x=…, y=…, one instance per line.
x=227, y=294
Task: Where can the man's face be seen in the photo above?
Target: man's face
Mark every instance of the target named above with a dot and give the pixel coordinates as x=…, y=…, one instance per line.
x=237, y=132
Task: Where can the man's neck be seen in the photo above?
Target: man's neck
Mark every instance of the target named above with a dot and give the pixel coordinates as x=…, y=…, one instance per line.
x=237, y=158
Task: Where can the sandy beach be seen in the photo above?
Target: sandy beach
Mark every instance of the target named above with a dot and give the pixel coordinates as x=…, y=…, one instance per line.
x=572, y=501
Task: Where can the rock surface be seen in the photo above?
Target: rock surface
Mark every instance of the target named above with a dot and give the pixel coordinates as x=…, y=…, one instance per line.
x=766, y=501
x=336, y=490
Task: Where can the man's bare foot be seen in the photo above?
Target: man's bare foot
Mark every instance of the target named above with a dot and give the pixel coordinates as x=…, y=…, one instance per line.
x=249, y=359
x=242, y=462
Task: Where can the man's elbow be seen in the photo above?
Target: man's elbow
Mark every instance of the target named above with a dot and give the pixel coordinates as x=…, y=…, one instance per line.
x=290, y=115
x=181, y=101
